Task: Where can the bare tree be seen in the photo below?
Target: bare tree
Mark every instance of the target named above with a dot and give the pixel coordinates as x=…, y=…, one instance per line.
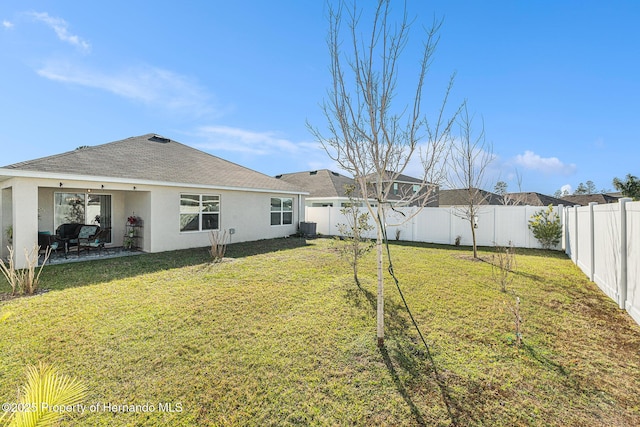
x=469, y=159
x=353, y=231
x=373, y=133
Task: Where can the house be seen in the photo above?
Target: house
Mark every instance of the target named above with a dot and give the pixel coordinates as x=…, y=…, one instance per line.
x=325, y=187
x=179, y=194
x=407, y=189
x=460, y=197
x=534, y=199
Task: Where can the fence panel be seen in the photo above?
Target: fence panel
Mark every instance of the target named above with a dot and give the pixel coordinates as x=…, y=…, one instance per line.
x=583, y=230
x=511, y=226
x=434, y=225
x=606, y=247
x=632, y=303
x=571, y=233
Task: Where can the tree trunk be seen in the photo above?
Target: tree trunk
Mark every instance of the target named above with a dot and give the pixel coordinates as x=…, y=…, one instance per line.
x=380, y=305
x=473, y=238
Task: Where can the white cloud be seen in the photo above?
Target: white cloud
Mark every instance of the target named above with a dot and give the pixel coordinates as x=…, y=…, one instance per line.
x=60, y=27
x=227, y=138
x=149, y=85
x=547, y=165
x=566, y=189
x=6, y=24
x=265, y=144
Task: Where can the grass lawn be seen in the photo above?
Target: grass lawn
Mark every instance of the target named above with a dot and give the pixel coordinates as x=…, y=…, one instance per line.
x=280, y=335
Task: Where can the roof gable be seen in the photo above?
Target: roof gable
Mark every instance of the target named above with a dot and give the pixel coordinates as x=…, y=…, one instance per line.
x=155, y=158
x=319, y=183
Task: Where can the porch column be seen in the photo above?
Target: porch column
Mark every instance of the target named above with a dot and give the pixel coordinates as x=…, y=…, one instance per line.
x=25, y=219
x=5, y=220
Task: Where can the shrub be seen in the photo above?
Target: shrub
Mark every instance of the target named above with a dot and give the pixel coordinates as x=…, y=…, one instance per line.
x=503, y=262
x=546, y=227
x=219, y=241
x=24, y=281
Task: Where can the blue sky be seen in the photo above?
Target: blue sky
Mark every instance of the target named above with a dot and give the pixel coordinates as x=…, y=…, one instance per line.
x=556, y=82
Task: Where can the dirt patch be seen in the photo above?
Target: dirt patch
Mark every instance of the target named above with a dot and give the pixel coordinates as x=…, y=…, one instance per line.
x=9, y=297
x=471, y=258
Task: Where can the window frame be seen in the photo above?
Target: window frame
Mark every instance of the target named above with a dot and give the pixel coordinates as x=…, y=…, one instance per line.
x=281, y=211
x=201, y=213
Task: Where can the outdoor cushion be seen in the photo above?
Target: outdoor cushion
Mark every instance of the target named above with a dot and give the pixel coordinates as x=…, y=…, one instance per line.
x=87, y=231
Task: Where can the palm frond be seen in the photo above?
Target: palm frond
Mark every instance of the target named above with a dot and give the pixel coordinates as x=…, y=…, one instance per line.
x=45, y=392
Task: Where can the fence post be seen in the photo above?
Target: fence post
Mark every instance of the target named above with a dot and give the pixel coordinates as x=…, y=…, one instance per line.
x=563, y=240
x=622, y=279
x=592, y=243
x=451, y=237
x=576, y=234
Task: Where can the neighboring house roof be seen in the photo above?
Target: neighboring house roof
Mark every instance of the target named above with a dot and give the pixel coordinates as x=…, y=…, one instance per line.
x=154, y=158
x=400, y=178
x=534, y=199
x=319, y=183
x=460, y=197
x=585, y=199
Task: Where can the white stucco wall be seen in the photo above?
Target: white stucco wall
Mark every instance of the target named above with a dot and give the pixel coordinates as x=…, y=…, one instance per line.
x=21, y=205
x=246, y=212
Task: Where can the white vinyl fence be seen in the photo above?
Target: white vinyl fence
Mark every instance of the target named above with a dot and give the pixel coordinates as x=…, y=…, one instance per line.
x=604, y=242
x=496, y=225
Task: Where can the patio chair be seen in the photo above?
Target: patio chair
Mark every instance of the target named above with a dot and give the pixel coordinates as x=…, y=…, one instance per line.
x=85, y=233
x=48, y=241
x=65, y=233
x=96, y=241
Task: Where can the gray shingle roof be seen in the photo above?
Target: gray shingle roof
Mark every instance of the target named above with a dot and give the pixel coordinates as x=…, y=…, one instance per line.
x=585, y=199
x=320, y=183
x=155, y=158
x=535, y=199
x=399, y=178
x=460, y=197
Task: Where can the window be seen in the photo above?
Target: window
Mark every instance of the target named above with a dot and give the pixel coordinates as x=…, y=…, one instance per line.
x=281, y=210
x=199, y=212
x=416, y=188
x=395, y=188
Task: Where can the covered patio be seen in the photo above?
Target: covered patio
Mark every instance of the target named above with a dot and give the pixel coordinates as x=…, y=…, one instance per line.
x=33, y=207
x=73, y=256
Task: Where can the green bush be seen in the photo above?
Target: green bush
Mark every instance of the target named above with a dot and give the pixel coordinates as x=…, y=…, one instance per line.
x=546, y=227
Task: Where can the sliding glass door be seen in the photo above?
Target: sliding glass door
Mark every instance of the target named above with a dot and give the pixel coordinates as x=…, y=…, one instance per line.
x=82, y=208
